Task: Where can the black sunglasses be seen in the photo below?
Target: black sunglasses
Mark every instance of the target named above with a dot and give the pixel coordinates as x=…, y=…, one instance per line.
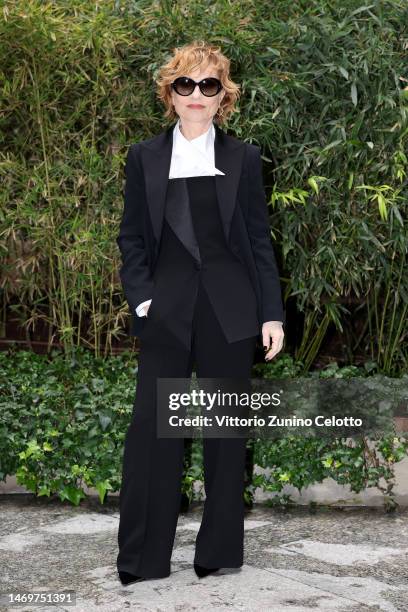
x=185, y=86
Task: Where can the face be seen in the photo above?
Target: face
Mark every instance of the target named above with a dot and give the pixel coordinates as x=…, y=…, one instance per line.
x=197, y=108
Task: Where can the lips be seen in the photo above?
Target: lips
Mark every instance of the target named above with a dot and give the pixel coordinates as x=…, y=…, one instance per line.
x=195, y=106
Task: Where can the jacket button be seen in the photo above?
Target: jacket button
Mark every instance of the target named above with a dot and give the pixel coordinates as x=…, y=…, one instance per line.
x=197, y=266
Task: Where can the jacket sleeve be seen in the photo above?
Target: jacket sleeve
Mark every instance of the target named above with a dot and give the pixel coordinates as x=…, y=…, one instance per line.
x=260, y=237
x=134, y=273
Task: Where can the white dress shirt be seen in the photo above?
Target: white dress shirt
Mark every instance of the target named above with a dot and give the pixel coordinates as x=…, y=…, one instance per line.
x=190, y=158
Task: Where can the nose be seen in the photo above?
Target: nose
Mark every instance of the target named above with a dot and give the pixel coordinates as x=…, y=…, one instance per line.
x=196, y=92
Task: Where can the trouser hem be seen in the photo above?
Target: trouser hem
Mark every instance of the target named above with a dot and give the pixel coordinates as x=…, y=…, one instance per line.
x=147, y=575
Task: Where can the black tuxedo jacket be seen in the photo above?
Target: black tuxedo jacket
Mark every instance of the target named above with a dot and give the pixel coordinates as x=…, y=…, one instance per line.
x=243, y=210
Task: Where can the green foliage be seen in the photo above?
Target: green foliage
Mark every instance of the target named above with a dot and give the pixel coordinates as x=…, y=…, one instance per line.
x=63, y=423
x=321, y=92
x=301, y=461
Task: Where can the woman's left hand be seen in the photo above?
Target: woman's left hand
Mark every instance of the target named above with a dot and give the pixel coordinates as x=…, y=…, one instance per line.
x=272, y=338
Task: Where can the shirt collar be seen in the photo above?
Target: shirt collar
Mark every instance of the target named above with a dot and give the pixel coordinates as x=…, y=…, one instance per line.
x=202, y=143
x=193, y=157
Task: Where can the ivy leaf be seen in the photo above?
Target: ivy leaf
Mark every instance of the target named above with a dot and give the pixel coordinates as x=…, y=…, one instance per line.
x=72, y=494
x=104, y=421
x=102, y=487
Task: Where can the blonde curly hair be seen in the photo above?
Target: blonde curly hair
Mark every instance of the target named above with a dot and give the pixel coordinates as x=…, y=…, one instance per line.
x=186, y=59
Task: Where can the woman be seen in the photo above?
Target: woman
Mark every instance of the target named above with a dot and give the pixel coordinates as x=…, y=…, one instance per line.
x=199, y=274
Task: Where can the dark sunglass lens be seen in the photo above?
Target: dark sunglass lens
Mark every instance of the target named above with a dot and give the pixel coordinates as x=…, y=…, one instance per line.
x=210, y=87
x=183, y=86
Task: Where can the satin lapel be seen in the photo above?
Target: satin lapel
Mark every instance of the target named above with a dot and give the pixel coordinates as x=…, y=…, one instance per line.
x=156, y=159
x=178, y=215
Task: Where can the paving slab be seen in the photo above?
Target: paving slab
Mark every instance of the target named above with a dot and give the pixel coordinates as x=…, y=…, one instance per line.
x=296, y=560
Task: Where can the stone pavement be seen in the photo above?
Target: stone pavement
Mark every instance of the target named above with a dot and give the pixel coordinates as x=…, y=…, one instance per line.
x=343, y=560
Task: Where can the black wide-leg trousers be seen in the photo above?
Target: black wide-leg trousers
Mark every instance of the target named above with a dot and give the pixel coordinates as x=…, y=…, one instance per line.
x=150, y=493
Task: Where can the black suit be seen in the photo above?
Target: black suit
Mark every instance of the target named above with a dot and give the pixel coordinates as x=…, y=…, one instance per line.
x=200, y=248
x=243, y=210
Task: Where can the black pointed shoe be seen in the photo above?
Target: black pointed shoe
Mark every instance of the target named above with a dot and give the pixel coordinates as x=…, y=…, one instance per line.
x=204, y=571
x=127, y=578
